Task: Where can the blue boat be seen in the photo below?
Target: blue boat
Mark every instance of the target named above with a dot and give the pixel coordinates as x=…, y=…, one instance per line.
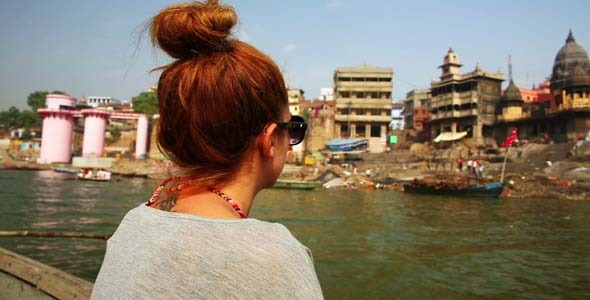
x=489, y=190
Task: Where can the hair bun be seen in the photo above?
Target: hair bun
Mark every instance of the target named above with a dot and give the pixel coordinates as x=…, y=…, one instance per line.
x=185, y=29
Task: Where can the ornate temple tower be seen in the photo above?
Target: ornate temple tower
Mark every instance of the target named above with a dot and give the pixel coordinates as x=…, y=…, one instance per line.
x=570, y=80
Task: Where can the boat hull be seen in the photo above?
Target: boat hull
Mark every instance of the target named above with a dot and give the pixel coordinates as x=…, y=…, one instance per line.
x=490, y=190
x=300, y=185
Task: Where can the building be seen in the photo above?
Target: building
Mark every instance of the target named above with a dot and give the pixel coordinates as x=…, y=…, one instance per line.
x=327, y=94
x=363, y=104
x=417, y=109
x=295, y=98
x=465, y=102
x=95, y=101
x=542, y=94
x=567, y=116
x=397, y=116
x=320, y=122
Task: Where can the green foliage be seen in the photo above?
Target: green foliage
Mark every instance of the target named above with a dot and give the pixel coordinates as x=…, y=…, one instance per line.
x=146, y=103
x=10, y=118
x=13, y=118
x=115, y=134
x=36, y=99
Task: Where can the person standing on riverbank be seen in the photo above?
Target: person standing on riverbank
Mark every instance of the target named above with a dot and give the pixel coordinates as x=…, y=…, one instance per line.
x=225, y=123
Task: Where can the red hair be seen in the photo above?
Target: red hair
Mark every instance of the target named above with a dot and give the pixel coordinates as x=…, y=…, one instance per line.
x=218, y=94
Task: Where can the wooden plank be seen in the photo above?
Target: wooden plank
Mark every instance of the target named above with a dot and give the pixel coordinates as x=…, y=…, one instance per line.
x=49, y=280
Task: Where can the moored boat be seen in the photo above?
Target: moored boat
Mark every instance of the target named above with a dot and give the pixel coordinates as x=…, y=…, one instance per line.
x=297, y=184
x=66, y=170
x=454, y=185
x=24, y=278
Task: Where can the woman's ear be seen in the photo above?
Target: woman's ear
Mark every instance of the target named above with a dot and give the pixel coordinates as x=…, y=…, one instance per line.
x=267, y=142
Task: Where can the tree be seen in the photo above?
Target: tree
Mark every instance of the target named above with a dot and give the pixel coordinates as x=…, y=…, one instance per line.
x=10, y=118
x=36, y=99
x=28, y=119
x=146, y=103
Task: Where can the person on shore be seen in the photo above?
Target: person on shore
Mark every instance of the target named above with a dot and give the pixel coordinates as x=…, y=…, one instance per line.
x=225, y=124
x=470, y=166
x=460, y=164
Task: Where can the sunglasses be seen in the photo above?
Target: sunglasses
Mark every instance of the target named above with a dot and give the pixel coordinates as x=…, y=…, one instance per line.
x=296, y=127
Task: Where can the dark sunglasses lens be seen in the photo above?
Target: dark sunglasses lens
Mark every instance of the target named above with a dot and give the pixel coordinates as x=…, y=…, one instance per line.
x=297, y=133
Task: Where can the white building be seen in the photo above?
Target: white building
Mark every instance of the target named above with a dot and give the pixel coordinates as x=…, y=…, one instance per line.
x=95, y=101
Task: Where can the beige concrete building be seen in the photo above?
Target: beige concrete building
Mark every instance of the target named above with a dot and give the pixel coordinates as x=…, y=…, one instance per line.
x=465, y=102
x=363, y=104
x=295, y=99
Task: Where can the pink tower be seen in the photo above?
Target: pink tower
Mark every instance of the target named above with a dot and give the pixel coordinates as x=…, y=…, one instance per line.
x=142, y=137
x=94, y=130
x=58, y=124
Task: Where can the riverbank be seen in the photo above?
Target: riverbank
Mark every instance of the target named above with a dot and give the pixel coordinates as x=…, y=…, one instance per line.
x=560, y=171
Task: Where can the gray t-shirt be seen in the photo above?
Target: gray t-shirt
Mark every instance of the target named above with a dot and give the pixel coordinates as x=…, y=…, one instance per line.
x=162, y=255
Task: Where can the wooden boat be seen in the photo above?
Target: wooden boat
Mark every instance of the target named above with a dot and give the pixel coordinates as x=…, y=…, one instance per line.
x=24, y=278
x=66, y=170
x=297, y=184
x=454, y=185
x=490, y=190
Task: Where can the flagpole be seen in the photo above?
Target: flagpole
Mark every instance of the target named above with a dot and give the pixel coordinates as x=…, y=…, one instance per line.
x=504, y=164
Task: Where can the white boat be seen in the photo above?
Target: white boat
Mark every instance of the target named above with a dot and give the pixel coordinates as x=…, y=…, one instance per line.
x=94, y=175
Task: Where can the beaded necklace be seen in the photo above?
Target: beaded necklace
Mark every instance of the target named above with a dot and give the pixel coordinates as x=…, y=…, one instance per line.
x=186, y=182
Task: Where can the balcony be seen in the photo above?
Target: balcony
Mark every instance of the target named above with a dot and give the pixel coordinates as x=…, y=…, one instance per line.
x=363, y=103
x=363, y=118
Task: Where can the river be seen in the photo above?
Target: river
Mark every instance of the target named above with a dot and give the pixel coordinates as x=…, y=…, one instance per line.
x=366, y=244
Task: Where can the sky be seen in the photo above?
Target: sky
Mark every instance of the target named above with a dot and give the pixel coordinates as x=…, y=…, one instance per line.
x=99, y=48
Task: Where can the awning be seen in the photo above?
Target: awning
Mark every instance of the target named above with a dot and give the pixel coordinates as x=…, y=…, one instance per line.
x=450, y=136
x=346, y=144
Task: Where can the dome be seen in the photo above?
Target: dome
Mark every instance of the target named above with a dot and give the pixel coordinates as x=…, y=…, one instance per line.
x=511, y=95
x=568, y=57
x=578, y=77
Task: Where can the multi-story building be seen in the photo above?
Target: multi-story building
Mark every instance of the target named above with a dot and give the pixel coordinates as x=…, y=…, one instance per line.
x=417, y=109
x=464, y=102
x=363, y=104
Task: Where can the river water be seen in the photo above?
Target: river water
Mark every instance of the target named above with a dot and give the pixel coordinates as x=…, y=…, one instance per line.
x=366, y=244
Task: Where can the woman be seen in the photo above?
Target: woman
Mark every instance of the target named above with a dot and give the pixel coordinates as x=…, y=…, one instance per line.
x=225, y=123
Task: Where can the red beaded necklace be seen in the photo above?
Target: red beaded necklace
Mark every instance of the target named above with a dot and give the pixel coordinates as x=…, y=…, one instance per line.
x=186, y=182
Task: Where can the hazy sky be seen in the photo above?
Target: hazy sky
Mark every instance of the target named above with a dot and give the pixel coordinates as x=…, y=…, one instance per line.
x=94, y=48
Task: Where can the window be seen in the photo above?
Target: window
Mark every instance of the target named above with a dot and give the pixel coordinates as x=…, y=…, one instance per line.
x=360, y=130
x=360, y=94
x=344, y=130
x=375, y=130
x=375, y=95
x=360, y=112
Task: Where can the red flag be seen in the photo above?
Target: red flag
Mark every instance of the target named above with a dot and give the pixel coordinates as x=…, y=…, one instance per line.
x=511, y=138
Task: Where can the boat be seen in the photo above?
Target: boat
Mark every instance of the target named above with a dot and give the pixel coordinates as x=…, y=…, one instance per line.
x=94, y=175
x=297, y=184
x=25, y=278
x=454, y=186
x=66, y=170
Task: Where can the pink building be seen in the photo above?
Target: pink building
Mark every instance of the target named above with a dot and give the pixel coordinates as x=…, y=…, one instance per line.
x=542, y=94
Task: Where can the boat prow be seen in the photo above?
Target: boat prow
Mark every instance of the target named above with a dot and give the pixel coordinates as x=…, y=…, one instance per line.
x=24, y=278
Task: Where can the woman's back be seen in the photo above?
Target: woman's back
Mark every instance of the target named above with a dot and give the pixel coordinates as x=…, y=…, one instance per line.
x=157, y=254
